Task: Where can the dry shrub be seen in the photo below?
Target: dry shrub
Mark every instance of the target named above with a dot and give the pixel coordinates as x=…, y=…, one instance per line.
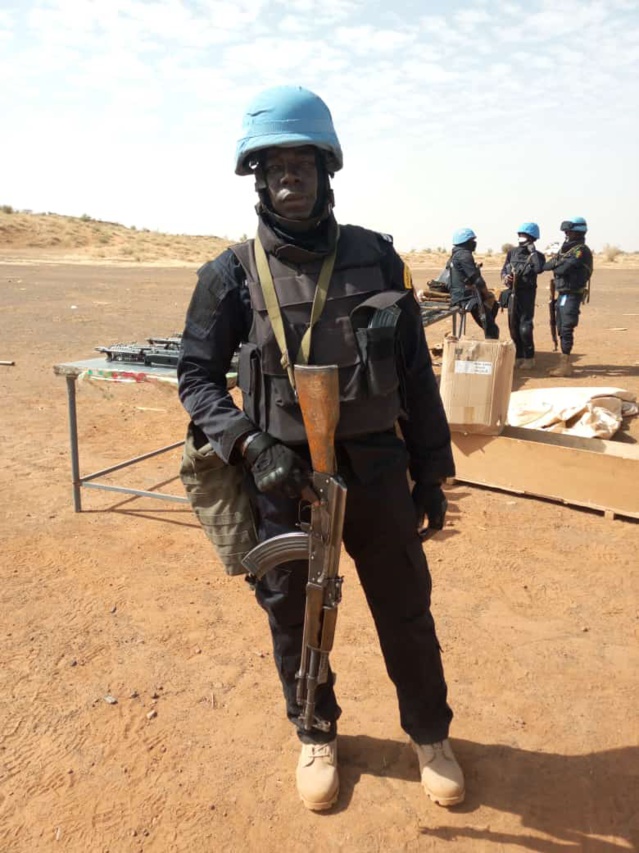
x=611, y=253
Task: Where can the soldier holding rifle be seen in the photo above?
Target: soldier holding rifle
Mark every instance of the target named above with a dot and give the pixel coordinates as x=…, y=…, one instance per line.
x=519, y=275
x=572, y=268
x=307, y=291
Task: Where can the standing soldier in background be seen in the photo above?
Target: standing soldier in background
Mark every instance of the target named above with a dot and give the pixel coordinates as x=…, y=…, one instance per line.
x=519, y=275
x=467, y=285
x=572, y=267
x=327, y=295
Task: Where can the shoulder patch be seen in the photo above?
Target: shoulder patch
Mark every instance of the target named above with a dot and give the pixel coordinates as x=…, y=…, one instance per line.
x=408, y=278
x=387, y=237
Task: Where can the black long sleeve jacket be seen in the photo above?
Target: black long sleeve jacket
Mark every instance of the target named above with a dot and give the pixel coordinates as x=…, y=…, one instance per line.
x=219, y=319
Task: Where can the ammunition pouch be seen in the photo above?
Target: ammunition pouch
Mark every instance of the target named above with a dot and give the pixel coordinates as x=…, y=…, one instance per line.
x=504, y=298
x=221, y=503
x=374, y=323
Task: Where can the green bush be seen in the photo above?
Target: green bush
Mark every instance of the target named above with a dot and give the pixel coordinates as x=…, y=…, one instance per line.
x=6, y=208
x=506, y=248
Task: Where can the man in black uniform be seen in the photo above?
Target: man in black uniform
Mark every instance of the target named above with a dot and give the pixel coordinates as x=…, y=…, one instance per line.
x=467, y=285
x=519, y=274
x=573, y=269
x=290, y=147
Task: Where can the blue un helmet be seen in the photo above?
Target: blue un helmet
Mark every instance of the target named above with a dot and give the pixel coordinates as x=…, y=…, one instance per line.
x=578, y=224
x=287, y=116
x=463, y=235
x=529, y=228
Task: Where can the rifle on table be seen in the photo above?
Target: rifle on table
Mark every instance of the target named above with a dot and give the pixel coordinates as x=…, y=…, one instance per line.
x=150, y=356
x=552, y=308
x=319, y=542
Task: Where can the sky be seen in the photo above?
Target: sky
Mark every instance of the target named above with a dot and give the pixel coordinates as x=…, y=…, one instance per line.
x=478, y=114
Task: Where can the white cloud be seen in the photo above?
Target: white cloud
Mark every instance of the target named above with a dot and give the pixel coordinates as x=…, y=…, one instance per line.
x=131, y=85
x=366, y=39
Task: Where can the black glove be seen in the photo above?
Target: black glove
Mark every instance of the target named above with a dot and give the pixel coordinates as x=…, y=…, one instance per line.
x=430, y=502
x=275, y=467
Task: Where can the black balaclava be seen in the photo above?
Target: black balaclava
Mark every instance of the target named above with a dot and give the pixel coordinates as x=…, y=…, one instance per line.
x=318, y=232
x=568, y=243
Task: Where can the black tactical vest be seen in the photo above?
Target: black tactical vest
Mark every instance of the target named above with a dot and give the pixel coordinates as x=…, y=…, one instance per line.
x=460, y=285
x=346, y=334
x=521, y=264
x=576, y=279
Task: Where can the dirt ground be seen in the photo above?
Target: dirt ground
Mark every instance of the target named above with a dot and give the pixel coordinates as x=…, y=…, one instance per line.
x=536, y=606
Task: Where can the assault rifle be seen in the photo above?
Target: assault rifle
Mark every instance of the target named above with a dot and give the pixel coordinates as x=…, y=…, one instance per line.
x=150, y=356
x=173, y=342
x=552, y=310
x=319, y=542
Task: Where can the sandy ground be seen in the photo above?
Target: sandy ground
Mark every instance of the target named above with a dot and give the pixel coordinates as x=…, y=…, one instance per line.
x=536, y=606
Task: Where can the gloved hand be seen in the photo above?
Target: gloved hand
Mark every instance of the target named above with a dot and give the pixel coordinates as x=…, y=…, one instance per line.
x=275, y=467
x=430, y=502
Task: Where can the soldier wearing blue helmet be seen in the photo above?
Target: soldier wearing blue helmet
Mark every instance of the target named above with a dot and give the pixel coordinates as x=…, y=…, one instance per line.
x=467, y=285
x=290, y=147
x=519, y=274
x=572, y=268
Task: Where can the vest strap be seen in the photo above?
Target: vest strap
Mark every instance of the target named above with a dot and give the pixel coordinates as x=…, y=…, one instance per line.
x=273, y=306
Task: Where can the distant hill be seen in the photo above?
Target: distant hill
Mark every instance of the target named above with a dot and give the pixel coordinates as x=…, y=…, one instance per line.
x=49, y=236
x=82, y=239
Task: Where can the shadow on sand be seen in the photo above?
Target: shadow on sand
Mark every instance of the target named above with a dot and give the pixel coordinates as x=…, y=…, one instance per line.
x=544, y=361
x=574, y=799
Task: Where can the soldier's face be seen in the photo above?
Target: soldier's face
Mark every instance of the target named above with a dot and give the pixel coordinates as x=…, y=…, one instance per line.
x=291, y=180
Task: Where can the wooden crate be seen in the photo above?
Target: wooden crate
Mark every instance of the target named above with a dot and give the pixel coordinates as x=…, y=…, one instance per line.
x=588, y=472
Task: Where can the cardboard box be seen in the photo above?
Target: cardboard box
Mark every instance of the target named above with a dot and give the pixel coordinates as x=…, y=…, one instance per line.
x=476, y=382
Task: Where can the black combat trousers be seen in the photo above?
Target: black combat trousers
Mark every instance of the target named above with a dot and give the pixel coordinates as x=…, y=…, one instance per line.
x=568, y=310
x=521, y=311
x=380, y=534
x=471, y=304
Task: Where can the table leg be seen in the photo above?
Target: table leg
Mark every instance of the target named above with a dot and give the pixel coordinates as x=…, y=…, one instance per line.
x=73, y=441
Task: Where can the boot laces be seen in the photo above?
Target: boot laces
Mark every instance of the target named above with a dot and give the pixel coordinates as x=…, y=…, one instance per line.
x=320, y=750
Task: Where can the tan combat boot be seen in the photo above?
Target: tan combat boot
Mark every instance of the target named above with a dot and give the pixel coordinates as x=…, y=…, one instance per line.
x=442, y=777
x=317, y=779
x=519, y=362
x=527, y=364
x=564, y=368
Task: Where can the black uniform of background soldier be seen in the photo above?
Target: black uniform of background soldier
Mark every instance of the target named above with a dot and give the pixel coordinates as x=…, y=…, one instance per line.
x=465, y=276
x=396, y=384
x=525, y=266
x=572, y=269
